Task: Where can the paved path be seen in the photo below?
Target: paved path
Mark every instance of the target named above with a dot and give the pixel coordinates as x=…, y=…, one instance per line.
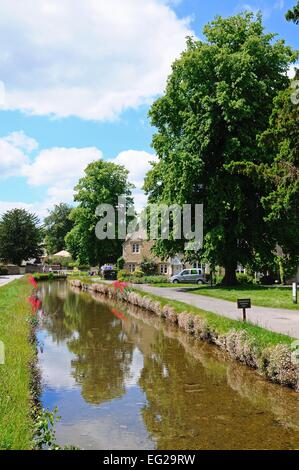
x=6, y=279
x=274, y=319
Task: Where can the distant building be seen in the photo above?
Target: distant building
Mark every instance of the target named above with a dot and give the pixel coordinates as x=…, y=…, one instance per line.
x=136, y=249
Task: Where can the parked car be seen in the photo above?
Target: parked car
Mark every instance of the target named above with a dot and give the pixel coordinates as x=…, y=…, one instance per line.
x=192, y=276
x=110, y=275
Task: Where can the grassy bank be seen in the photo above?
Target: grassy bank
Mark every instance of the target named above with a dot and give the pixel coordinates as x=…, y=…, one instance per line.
x=16, y=422
x=222, y=325
x=268, y=352
x=275, y=297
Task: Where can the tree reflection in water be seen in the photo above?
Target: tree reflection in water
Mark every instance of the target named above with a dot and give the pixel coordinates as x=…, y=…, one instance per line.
x=102, y=354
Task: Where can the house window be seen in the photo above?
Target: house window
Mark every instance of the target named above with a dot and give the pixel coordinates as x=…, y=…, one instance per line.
x=136, y=248
x=131, y=268
x=163, y=268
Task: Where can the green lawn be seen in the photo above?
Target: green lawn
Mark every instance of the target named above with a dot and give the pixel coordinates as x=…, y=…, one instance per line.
x=15, y=408
x=263, y=338
x=277, y=297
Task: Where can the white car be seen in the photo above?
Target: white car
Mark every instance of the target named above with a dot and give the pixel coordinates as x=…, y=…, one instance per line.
x=192, y=276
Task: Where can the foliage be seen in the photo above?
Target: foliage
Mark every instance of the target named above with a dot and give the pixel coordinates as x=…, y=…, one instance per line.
x=138, y=273
x=125, y=275
x=148, y=266
x=62, y=260
x=57, y=224
x=280, y=141
x=217, y=101
x=48, y=276
x=120, y=263
x=103, y=183
x=293, y=15
x=44, y=432
x=20, y=236
x=245, y=278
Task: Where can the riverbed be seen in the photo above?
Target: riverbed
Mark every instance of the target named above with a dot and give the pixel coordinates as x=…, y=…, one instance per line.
x=123, y=379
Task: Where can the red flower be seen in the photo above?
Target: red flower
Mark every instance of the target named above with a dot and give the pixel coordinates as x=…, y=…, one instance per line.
x=33, y=282
x=35, y=303
x=120, y=285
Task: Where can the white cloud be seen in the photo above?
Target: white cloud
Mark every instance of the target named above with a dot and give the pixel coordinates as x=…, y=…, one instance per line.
x=38, y=208
x=90, y=59
x=12, y=158
x=20, y=140
x=58, y=170
x=60, y=166
x=138, y=164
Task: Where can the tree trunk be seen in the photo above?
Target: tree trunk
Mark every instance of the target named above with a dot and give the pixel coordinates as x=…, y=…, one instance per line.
x=230, y=278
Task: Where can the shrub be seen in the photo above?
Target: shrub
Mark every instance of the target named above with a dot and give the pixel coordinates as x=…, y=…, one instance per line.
x=245, y=278
x=148, y=267
x=120, y=263
x=124, y=275
x=277, y=365
x=138, y=273
x=148, y=279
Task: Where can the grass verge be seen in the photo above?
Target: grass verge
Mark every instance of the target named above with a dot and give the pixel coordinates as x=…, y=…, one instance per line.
x=223, y=325
x=16, y=421
x=275, y=297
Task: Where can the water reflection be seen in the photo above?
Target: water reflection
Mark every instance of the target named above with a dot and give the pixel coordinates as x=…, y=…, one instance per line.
x=131, y=381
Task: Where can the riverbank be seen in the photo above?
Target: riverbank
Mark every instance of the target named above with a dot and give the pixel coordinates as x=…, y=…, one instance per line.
x=16, y=417
x=267, y=352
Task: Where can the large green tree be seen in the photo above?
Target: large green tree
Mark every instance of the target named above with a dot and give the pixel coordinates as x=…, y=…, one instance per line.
x=20, y=236
x=57, y=224
x=293, y=14
x=103, y=183
x=281, y=141
x=218, y=99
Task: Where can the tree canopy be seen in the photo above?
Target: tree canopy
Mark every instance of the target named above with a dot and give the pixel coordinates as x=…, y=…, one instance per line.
x=280, y=141
x=20, y=236
x=57, y=224
x=103, y=183
x=219, y=98
x=293, y=14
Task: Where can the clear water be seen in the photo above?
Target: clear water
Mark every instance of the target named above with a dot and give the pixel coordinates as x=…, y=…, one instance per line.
x=123, y=379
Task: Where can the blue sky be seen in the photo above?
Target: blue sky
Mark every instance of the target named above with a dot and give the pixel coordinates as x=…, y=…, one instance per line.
x=79, y=82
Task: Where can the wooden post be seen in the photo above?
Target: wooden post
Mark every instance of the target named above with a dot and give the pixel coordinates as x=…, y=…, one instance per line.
x=295, y=298
x=244, y=314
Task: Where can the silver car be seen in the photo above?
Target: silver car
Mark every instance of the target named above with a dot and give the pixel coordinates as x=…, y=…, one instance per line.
x=194, y=276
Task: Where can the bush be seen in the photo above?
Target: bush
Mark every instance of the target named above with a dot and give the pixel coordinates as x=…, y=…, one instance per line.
x=83, y=267
x=245, y=278
x=120, y=263
x=124, y=275
x=148, y=267
x=138, y=273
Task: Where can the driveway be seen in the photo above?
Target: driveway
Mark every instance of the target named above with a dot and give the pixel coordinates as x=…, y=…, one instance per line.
x=6, y=279
x=274, y=319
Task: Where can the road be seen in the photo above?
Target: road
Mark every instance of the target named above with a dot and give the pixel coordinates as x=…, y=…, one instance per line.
x=274, y=319
x=6, y=279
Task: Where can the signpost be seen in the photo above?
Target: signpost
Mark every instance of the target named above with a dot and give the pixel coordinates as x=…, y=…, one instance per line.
x=243, y=304
x=294, y=292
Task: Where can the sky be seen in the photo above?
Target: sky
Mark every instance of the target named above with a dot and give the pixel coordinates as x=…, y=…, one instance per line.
x=77, y=79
